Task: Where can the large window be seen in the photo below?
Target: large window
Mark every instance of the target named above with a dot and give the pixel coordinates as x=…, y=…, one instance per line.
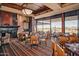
x=46, y=25
x=71, y=24
x=39, y=25
x=56, y=25
x=43, y=25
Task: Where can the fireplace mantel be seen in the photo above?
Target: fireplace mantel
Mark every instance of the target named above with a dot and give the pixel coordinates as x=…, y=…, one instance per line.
x=12, y=30
x=9, y=26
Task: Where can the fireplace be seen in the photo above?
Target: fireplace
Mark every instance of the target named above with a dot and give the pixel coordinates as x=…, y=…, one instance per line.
x=12, y=30
x=3, y=34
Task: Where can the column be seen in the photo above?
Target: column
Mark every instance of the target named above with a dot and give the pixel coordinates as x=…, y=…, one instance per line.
x=63, y=23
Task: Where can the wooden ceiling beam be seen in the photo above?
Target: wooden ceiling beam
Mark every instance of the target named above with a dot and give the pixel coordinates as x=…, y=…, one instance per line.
x=42, y=9
x=12, y=5
x=42, y=12
x=0, y=5
x=22, y=4
x=62, y=5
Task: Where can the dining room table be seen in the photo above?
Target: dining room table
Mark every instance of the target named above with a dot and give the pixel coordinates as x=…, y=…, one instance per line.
x=73, y=48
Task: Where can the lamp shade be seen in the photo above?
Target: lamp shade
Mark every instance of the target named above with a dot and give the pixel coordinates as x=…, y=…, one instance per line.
x=27, y=11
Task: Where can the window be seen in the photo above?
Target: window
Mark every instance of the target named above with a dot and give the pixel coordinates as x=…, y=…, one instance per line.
x=46, y=25
x=56, y=25
x=39, y=26
x=43, y=25
x=71, y=24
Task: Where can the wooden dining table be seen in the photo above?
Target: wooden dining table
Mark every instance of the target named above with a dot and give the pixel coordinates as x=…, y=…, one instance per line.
x=73, y=48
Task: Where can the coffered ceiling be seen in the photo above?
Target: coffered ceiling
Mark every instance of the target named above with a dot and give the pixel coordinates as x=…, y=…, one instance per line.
x=36, y=8
x=40, y=9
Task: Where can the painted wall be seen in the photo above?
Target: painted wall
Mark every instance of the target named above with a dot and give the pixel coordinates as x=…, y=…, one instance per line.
x=6, y=18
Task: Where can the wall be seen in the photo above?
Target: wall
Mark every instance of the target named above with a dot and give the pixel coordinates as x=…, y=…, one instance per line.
x=20, y=19
x=6, y=18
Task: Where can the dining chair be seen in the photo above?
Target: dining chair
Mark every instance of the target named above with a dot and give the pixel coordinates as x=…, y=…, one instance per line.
x=73, y=39
x=57, y=50
x=34, y=41
x=63, y=40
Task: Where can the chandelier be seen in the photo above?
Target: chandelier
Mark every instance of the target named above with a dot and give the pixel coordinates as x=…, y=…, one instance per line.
x=27, y=11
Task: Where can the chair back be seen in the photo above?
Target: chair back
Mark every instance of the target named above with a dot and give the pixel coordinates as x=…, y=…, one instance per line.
x=57, y=50
x=63, y=40
x=34, y=40
x=53, y=47
x=73, y=39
